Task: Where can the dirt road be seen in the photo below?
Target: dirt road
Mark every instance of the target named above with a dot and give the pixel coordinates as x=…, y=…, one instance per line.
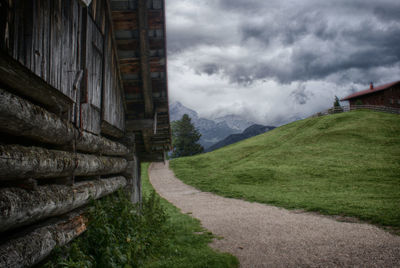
x=266, y=236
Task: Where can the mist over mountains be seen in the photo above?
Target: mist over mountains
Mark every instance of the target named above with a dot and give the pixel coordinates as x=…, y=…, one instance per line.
x=249, y=132
x=212, y=130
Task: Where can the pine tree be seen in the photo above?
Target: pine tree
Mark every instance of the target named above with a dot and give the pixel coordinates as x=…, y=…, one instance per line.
x=185, y=137
x=336, y=103
x=337, y=108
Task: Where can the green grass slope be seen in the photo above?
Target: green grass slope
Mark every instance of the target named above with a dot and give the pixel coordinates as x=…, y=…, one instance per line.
x=344, y=164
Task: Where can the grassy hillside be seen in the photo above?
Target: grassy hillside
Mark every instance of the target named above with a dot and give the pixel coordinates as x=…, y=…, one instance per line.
x=342, y=164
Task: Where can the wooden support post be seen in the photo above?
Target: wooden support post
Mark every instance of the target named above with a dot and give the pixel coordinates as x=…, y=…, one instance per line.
x=144, y=58
x=20, y=207
x=132, y=175
x=19, y=162
x=33, y=245
x=147, y=134
x=133, y=187
x=155, y=124
x=20, y=117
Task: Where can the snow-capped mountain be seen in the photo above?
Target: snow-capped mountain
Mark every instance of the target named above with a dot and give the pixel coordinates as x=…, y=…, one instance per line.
x=212, y=131
x=234, y=122
x=177, y=110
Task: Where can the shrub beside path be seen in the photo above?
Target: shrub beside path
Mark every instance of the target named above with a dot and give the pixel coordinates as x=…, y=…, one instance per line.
x=266, y=236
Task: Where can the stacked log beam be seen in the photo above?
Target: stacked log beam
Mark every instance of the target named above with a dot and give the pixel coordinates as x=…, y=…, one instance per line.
x=21, y=207
x=20, y=117
x=33, y=245
x=20, y=162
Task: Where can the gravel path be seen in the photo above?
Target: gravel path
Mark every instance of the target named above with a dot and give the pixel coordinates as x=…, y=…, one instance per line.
x=266, y=236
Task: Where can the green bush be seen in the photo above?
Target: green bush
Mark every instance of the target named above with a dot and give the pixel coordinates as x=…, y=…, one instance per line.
x=119, y=234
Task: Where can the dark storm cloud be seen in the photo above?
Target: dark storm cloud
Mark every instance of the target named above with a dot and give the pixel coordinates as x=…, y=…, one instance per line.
x=209, y=68
x=362, y=46
x=301, y=95
x=320, y=38
x=277, y=61
x=288, y=30
x=247, y=6
x=388, y=12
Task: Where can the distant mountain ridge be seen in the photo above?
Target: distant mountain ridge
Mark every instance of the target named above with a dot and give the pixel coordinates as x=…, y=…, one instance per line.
x=212, y=131
x=249, y=132
x=234, y=122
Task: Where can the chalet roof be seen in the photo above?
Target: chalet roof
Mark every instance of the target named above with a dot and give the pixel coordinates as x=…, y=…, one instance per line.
x=370, y=91
x=139, y=29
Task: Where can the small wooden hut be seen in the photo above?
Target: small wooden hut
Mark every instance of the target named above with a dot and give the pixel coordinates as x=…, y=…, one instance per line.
x=83, y=99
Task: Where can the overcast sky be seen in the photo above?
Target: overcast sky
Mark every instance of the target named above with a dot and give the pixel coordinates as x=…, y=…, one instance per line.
x=278, y=60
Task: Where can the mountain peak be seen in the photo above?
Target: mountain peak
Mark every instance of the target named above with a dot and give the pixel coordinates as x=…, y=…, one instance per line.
x=177, y=110
x=235, y=121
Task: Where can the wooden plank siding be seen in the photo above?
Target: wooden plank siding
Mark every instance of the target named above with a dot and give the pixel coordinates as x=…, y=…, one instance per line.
x=140, y=36
x=68, y=45
x=113, y=100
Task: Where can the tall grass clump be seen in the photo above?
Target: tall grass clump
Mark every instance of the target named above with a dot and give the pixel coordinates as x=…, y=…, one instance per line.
x=119, y=234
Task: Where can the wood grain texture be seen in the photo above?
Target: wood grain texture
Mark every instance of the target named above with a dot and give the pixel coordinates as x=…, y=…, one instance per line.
x=29, y=247
x=144, y=58
x=24, y=82
x=19, y=162
x=91, y=118
x=20, y=207
x=21, y=118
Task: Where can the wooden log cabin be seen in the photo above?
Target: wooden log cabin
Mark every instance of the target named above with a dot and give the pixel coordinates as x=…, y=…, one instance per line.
x=387, y=95
x=83, y=99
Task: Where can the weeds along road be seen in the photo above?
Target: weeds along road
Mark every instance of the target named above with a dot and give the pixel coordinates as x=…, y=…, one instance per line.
x=266, y=236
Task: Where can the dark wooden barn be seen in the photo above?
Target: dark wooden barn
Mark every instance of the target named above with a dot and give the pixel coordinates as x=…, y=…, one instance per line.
x=83, y=99
x=384, y=95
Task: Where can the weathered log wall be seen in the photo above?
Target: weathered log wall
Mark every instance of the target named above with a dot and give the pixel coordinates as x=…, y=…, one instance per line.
x=70, y=153
x=70, y=47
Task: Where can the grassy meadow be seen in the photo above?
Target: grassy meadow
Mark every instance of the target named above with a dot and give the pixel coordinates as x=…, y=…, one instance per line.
x=344, y=164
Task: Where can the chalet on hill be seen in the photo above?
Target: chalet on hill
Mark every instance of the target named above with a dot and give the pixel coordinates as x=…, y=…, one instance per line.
x=384, y=95
x=83, y=99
